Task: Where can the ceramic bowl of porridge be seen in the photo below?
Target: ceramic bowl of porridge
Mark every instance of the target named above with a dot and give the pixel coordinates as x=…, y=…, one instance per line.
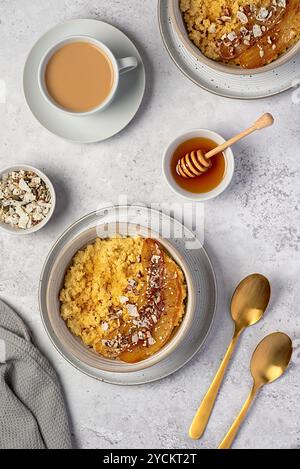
x=119, y=298
x=238, y=37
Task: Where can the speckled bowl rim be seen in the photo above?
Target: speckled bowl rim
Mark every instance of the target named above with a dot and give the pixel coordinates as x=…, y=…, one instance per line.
x=223, y=68
x=44, y=177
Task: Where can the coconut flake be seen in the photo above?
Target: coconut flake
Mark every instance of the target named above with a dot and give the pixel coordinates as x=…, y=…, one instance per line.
x=257, y=32
x=124, y=299
x=132, y=311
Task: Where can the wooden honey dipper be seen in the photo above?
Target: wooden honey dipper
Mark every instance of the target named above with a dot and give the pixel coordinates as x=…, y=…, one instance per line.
x=196, y=163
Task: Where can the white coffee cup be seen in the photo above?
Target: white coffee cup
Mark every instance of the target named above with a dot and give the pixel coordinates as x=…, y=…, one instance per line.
x=120, y=66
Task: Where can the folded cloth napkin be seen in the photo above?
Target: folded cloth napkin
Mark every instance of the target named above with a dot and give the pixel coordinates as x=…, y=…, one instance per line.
x=32, y=410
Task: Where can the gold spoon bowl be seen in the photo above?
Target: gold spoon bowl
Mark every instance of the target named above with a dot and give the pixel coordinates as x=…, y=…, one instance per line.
x=269, y=361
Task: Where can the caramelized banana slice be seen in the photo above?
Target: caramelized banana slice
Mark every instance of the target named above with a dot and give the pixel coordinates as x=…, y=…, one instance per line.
x=172, y=294
x=276, y=42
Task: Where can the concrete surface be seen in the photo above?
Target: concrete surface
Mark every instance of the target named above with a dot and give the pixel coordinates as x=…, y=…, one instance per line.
x=254, y=226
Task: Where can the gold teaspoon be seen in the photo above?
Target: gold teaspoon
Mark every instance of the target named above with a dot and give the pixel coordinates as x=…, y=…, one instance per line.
x=248, y=304
x=269, y=361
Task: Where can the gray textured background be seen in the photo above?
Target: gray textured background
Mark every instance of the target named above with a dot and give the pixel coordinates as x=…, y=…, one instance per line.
x=254, y=226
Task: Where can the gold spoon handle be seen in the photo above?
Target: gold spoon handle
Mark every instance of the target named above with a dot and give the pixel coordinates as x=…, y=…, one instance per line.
x=228, y=440
x=202, y=416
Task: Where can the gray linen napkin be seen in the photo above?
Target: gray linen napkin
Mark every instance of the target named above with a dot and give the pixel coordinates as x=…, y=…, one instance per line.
x=32, y=409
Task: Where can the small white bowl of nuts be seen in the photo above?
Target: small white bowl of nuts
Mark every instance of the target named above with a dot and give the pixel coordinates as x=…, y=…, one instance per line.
x=27, y=199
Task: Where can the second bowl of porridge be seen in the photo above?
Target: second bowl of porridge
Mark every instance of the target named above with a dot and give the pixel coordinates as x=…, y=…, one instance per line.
x=238, y=36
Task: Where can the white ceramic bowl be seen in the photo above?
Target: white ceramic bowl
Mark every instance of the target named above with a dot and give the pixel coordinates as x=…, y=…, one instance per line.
x=39, y=226
x=55, y=278
x=169, y=152
x=180, y=28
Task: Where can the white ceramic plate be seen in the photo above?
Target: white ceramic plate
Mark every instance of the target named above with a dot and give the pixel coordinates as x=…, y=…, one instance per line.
x=202, y=277
x=228, y=85
x=99, y=126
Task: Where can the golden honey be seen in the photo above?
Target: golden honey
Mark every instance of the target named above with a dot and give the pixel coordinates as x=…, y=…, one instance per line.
x=209, y=180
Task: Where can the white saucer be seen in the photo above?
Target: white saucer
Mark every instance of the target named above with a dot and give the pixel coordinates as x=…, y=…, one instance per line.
x=201, y=271
x=99, y=126
x=261, y=85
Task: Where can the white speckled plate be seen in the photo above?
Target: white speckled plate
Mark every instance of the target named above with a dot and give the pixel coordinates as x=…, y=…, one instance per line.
x=202, y=275
x=101, y=125
x=261, y=85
